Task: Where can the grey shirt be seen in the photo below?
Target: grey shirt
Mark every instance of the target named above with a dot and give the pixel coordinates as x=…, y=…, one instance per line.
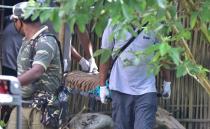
x=11, y=43
x=131, y=79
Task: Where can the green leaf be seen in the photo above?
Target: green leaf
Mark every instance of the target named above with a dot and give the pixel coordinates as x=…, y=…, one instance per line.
x=181, y=70
x=164, y=48
x=115, y=11
x=71, y=24
x=72, y=4
x=45, y=15
x=195, y=69
x=98, y=52
x=179, y=26
x=193, y=19
x=82, y=20
x=174, y=53
x=150, y=3
x=204, y=70
x=153, y=69
x=28, y=12
x=99, y=28
x=204, y=14
x=56, y=21
x=82, y=27
x=187, y=35
x=125, y=10
x=2, y=123
x=35, y=15
x=105, y=54
x=142, y=5
x=161, y=13
x=157, y=69
x=151, y=49
x=173, y=11
x=156, y=58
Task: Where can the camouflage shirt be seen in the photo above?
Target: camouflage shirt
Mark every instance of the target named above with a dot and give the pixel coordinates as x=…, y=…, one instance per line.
x=46, y=54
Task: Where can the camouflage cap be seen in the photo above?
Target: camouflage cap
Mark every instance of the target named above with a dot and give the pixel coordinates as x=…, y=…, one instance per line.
x=18, y=10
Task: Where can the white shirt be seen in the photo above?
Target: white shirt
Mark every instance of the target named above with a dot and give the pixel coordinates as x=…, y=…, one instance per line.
x=131, y=79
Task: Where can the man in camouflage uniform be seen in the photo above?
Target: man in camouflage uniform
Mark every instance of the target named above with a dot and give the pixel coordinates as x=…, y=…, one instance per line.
x=43, y=73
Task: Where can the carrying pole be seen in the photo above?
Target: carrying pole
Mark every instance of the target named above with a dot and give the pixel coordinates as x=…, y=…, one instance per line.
x=61, y=36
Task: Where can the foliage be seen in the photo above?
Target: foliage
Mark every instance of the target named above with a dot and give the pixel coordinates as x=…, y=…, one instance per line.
x=163, y=17
x=2, y=123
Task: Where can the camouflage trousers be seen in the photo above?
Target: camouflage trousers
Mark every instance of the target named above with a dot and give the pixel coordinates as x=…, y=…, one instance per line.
x=30, y=119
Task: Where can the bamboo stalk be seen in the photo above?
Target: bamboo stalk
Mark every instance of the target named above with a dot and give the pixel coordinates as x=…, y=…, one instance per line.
x=178, y=91
x=190, y=97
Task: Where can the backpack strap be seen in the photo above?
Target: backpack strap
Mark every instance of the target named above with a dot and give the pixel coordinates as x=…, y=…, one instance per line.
x=127, y=44
x=59, y=46
x=32, y=51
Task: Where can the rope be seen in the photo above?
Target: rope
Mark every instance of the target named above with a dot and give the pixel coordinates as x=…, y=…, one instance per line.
x=39, y=8
x=6, y=7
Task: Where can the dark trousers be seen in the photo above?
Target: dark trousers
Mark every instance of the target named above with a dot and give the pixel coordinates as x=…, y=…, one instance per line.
x=6, y=110
x=134, y=111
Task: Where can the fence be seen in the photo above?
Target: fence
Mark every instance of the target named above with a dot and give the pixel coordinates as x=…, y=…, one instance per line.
x=189, y=103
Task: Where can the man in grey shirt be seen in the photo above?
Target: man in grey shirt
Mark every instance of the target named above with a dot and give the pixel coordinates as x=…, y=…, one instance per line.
x=133, y=90
x=11, y=43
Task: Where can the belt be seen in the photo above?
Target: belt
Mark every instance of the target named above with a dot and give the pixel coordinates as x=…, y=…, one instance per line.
x=27, y=99
x=27, y=104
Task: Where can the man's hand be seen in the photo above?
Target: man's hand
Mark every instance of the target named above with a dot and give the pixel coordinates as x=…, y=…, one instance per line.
x=104, y=92
x=93, y=66
x=84, y=64
x=166, y=90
